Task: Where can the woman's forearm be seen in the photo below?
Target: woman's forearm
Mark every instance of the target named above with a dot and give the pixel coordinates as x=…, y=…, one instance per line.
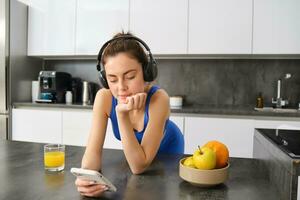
x=91, y=161
x=133, y=151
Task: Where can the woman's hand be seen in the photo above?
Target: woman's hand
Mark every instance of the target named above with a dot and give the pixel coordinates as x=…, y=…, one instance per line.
x=89, y=188
x=134, y=102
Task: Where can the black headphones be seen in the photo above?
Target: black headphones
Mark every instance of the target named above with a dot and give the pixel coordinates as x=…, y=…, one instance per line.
x=149, y=69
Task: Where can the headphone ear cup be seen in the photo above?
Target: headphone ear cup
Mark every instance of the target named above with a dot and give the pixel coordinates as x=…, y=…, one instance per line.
x=102, y=78
x=150, y=71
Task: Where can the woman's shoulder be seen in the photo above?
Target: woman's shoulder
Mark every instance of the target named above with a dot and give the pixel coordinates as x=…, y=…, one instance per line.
x=159, y=105
x=160, y=93
x=104, y=93
x=103, y=100
x=160, y=96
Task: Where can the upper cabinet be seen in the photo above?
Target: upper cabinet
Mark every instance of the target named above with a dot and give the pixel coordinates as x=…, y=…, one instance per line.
x=97, y=22
x=161, y=24
x=220, y=27
x=51, y=27
x=169, y=27
x=276, y=27
x=74, y=27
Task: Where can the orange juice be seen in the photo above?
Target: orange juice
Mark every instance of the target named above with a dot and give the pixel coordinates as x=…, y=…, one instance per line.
x=54, y=159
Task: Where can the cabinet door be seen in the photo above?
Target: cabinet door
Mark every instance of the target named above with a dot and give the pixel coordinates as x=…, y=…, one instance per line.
x=220, y=27
x=34, y=125
x=162, y=24
x=276, y=27
x=76, y=127
x=236, y=134
x=51, y=27
x=179, y=121
x=110, y=141
x=97, y=22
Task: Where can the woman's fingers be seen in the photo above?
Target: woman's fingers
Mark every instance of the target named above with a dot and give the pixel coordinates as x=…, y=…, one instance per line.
x=142, y=100
x=89, y=188
x=138, y=100
x=92, y=190
x=133, y=102
x=130, y=104
x=82, y=182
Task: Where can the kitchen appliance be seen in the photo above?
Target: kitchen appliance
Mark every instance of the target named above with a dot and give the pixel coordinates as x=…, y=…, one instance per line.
x=89, y=90
x=53, y=86
x=76, y=90
x=85, y=92
x=16, y=68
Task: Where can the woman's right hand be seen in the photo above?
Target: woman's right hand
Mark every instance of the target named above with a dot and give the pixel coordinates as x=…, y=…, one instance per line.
x=90, y=188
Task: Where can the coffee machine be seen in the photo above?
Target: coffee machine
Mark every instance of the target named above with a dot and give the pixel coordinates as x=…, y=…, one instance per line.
x=53, y=86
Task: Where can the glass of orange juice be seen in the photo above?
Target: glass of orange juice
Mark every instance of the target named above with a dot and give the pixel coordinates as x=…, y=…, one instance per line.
x=54, y=157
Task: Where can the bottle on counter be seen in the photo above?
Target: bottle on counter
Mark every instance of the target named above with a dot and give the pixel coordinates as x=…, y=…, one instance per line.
x=68, y=97
x=259, y=101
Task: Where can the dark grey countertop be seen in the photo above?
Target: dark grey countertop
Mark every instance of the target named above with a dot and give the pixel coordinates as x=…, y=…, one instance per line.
x=191, y=109
x=23, y=177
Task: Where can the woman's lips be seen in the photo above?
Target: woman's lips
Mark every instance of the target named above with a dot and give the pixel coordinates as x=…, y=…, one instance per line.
x=122, y=98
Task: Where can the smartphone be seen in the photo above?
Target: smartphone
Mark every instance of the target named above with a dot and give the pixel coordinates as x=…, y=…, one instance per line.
x=93, y=175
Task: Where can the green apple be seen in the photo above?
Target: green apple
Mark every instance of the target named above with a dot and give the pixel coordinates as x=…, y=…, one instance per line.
x=204, y=158
x=189, y=162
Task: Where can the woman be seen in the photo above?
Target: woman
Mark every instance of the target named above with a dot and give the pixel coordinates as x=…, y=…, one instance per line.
x=139, y=111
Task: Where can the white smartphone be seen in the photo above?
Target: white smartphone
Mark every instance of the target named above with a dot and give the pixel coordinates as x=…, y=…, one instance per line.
x=93, y=175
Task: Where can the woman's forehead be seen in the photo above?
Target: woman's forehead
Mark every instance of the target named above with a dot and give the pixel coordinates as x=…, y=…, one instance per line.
x=121, y=63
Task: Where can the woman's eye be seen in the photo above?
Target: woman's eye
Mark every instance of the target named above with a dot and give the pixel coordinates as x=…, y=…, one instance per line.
x=112, y=80
x=130, y=77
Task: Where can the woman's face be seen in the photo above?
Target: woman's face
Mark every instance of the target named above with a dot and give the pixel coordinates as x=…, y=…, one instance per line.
x=124, y=76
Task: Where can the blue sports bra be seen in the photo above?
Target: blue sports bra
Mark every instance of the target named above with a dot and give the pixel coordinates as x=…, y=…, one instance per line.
x=172, y=142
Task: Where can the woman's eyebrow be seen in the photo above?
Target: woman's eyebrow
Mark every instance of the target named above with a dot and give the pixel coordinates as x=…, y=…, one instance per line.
x=131, y=70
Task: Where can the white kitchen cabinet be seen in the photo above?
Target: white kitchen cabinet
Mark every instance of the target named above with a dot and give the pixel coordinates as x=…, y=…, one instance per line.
x=161, y=24
x=220, y=27
x=276, y=27
x=110, y=141
x=97, y=22
x=237, y=134
x=35, y=125
x=179, y=121
x=51, y=27
x=77, y=126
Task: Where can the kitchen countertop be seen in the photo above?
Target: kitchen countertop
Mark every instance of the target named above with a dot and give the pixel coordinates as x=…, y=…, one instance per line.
x=23, y=177
x=247, y=111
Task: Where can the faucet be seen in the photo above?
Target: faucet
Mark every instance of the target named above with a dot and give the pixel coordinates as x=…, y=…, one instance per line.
x=279, y=101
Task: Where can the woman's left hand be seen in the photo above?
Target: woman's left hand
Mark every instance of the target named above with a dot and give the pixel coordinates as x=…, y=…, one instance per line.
x=134, y=102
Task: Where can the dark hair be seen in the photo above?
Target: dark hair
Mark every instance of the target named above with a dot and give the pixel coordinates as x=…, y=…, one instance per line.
x=124, y=45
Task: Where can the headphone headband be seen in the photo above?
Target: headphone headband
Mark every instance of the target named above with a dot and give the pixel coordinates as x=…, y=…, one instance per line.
x=127, y=37
x=149, y=69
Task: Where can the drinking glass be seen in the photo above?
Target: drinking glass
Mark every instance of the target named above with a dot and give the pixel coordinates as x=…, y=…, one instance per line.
x=54, y=157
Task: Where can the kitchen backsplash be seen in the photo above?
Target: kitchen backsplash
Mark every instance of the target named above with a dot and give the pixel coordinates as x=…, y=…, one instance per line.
x=214, y=82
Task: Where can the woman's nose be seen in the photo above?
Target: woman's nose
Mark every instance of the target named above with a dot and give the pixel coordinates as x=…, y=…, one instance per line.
x=122, y=85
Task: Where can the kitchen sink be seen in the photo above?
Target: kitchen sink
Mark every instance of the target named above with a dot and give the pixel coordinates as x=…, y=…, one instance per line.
x=278, y=110
x=287, y=140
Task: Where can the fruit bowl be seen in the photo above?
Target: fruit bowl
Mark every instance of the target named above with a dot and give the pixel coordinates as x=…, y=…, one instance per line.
x=203, y=178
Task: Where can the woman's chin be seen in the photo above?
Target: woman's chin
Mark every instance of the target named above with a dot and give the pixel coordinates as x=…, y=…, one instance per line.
x=121, y=100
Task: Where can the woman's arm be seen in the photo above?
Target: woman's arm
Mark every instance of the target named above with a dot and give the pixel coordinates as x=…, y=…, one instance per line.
x=140, y=156
x=93, y=152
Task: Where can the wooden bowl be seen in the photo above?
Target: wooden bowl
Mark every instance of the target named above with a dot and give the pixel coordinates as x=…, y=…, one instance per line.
x=203, y=178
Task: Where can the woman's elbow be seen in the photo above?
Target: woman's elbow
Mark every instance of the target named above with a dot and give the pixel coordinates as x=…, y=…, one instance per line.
x=138, y=170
